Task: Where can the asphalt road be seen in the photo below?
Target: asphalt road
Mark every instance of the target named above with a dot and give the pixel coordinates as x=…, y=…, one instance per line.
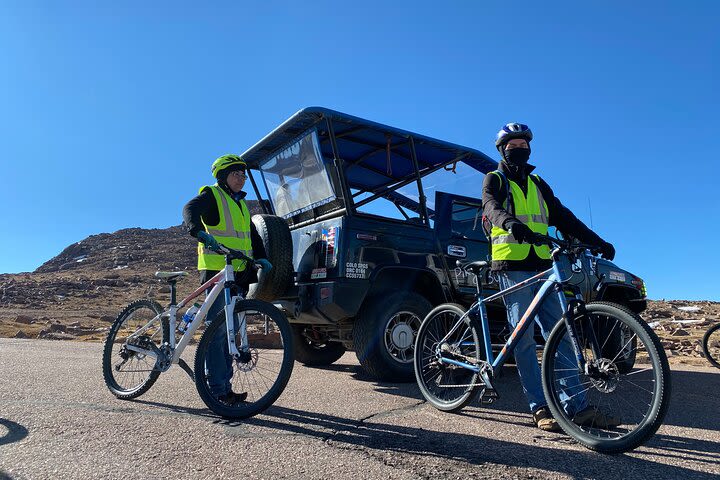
x=58, y=420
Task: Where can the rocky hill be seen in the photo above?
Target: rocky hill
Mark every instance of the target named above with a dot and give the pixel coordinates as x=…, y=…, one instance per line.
x=76, y=294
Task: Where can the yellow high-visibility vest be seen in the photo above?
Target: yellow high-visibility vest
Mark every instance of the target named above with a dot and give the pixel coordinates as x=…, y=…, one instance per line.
x=233, y=231
x=531, y=210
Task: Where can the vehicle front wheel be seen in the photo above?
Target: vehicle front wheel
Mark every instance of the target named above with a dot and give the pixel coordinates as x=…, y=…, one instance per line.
x=313, y=349
x=384, y=334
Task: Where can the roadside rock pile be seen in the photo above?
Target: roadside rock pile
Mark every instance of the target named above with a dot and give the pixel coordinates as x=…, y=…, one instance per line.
x=682, y=324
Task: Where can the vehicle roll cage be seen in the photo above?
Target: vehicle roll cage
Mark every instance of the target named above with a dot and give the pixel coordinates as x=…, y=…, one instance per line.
x=367, y=147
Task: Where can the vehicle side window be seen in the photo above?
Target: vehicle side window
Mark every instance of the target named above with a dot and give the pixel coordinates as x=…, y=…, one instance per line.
x=388, y=209
x=467, y=221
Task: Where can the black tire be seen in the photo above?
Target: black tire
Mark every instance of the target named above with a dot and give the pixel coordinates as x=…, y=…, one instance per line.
x=436, y=380
x=640, y=398
x=711, y=345
x=269, y=364
x=127, y=374
x=277, y=241
x=313, y=349
x=384, y=335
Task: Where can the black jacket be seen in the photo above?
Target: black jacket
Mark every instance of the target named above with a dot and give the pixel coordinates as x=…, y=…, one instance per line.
x=493, y=196
x=204, y=207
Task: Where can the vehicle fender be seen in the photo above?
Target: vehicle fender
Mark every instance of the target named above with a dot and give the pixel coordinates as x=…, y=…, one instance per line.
x=397, y=278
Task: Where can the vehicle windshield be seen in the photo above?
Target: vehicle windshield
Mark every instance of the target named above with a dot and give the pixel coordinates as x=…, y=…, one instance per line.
x=296, y=179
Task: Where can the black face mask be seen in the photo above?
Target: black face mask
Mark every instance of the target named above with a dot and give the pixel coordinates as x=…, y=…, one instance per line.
x=517, y=156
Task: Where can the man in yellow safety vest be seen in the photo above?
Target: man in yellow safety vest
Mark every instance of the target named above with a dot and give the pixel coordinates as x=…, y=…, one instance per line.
x=518, y=204
x=219, y=215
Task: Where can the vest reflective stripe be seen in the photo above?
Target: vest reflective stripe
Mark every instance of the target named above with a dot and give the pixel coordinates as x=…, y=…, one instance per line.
x=530, y=210
x=233, y=231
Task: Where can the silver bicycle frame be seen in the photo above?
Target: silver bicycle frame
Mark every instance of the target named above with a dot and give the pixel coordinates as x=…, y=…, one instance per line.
x=224, y=276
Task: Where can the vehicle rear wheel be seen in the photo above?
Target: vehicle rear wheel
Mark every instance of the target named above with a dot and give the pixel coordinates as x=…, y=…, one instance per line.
x=313, y=349
x=384, y=334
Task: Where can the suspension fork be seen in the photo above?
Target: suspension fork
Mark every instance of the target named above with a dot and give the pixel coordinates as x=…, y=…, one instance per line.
x=230, y=302
x=576, y=320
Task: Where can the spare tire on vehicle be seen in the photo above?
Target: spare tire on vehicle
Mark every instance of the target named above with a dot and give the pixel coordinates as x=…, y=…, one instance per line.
x=277, y=240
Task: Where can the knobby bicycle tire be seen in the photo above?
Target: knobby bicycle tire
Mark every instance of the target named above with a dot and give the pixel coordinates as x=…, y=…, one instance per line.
x=597, y=387
x=109, y=372
x=248, y=408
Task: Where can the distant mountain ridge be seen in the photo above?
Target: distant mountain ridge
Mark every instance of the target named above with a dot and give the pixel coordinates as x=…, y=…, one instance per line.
x=105, y=271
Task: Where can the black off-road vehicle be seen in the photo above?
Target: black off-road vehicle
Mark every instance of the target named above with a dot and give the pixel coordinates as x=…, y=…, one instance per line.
x=361, y=252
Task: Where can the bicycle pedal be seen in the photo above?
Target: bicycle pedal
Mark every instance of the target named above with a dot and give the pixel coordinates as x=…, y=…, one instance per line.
x=489, y=396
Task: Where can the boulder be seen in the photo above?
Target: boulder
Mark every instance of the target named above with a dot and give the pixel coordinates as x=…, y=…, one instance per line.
x=46, y=335
x=27, y=320
x=680, y=332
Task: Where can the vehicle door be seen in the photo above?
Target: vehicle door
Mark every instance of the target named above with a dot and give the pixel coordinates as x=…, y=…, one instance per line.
x=458, y=226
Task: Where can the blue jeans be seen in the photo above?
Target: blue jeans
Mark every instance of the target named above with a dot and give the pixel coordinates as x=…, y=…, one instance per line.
x=219, y=363
x=525, y=351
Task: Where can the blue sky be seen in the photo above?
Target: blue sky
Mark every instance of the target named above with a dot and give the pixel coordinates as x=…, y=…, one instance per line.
x=110, y=114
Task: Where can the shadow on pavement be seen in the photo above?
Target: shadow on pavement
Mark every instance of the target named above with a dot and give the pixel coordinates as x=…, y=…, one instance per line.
x=693, y=402
x=16, y=432
x=476, y=450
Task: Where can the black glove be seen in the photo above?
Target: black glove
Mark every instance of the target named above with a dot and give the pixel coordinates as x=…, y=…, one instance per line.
x=607, y=251
x=520, y=231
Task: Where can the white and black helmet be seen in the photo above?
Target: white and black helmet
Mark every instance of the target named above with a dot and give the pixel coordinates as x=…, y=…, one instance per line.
x=511, y=131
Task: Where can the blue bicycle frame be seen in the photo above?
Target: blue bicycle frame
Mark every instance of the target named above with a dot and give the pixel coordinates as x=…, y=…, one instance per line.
x=553, y=279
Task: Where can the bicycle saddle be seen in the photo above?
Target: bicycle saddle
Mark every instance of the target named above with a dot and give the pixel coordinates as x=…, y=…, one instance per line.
x=475, y=267
x=170, y=276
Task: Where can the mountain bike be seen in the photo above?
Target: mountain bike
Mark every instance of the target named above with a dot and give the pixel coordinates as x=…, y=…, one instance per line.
x=145, y=341
x=585, y=371
x=711, y=345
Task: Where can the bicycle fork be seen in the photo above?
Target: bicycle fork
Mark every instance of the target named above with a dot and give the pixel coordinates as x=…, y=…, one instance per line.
x=241, y=353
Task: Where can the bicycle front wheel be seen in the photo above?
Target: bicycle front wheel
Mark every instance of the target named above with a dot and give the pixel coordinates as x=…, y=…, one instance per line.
x=711, y=345
x=448, y=387
x=127, y=373
x=610, y=407
x=242, y=387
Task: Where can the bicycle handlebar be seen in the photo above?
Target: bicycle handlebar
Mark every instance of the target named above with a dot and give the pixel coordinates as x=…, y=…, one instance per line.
x=539, y=239
x=232, y=254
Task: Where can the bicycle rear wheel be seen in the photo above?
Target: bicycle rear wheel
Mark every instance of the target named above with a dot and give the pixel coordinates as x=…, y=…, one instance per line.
x=261, y=373
x=447, y=387
x=607, y=408
x=711, y=345
x=129, y=374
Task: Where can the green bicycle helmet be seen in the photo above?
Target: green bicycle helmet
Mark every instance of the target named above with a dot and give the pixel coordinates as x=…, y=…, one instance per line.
x=226, y=161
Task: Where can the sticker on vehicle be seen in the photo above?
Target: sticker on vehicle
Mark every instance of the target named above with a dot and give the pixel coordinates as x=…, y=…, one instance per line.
x=356, y=270
x=318, y=273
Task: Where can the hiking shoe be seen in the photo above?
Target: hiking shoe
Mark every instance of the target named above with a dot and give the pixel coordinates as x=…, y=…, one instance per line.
x=592, y=417
x=544, y=420
x=231, y=398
